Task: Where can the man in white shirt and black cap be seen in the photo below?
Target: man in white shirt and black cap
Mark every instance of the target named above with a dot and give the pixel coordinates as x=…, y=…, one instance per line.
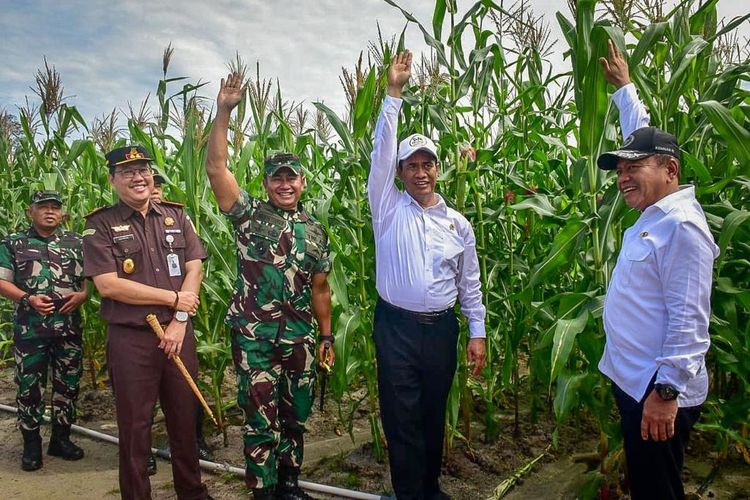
x=658, y=306
x=426, y=259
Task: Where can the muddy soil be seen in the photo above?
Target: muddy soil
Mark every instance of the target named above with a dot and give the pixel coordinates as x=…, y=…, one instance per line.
x=332, y=458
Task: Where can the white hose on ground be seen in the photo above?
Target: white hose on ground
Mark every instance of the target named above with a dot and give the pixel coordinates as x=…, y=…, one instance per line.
x=214, y=467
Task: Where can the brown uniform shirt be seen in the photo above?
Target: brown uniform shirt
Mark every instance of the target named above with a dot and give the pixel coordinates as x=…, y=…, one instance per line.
x=119, y=239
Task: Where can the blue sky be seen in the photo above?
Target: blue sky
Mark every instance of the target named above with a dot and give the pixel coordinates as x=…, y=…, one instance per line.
x=109, y=53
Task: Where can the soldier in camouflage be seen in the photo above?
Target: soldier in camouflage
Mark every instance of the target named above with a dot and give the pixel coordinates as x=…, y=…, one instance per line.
x=282, y=268
x=41, y=269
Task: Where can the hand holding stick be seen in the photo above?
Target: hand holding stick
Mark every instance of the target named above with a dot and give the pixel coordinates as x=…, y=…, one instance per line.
x=156, y=327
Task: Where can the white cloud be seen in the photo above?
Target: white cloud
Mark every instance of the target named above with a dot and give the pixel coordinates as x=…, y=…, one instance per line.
x=109, y=53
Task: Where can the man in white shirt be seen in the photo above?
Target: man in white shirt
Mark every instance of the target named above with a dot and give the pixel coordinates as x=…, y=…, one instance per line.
x=425, y=260
x=658, y=303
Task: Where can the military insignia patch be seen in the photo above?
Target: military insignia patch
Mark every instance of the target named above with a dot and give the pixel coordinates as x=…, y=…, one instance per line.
x=119, y=229
x=128, y=266
x=168, y=221
x=88, y=232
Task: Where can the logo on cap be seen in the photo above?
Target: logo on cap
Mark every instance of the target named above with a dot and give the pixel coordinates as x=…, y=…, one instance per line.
x=628, y=141
x=417, y=140
x=134, y=154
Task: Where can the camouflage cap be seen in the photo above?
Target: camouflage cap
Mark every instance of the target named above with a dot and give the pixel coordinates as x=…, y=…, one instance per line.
x=127, y=154
x=276, y=162
x=42, y=196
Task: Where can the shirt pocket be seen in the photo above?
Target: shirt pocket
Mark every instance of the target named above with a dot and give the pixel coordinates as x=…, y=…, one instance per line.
x=71, y=262
x=263, y=239
x=125, y=248
x=29, y=262
x=450, y=257
x=315, y=241
x=638, y=256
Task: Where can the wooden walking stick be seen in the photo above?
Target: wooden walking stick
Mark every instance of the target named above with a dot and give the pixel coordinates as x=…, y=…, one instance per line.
x=156, y=327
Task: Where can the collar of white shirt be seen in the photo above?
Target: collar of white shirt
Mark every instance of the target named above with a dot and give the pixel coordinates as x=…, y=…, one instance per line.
x=669, y=202
x=441, y=206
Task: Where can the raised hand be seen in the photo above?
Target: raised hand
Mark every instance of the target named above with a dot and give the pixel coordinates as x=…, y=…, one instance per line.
x=230, y=92
x=615, y=67
x=399, y=73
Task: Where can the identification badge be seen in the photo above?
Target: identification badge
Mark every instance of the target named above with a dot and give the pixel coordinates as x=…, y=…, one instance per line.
x=173, y=263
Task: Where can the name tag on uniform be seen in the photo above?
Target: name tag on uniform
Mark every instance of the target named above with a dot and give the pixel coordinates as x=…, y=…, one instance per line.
x=173, y=263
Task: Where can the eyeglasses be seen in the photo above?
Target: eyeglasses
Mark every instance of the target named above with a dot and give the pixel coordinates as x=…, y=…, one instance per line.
x=428, y=166
x=129, y=173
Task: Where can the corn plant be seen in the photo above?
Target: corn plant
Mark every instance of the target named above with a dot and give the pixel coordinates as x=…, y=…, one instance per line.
x=518, y=143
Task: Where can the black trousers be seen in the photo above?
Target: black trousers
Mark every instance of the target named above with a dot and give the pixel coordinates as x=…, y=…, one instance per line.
x=654, y=467
x=416, y=363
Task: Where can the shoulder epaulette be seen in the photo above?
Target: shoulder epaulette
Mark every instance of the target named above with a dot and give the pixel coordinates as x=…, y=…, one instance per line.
x=172, y=203
x=96, y=210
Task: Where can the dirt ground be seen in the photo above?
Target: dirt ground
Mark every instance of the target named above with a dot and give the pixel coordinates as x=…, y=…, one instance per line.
x=333, y=459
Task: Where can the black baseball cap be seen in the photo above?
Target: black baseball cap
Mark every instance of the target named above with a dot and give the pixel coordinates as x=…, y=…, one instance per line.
x=642, y=143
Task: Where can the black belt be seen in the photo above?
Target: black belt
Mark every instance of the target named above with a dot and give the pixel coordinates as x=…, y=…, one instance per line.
x=428, y=318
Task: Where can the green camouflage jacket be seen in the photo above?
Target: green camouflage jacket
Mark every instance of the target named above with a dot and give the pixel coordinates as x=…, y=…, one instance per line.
x=50, y=266
x=277, y=254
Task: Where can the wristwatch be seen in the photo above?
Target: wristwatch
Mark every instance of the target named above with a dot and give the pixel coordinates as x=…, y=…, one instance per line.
x=181, y=316
x=327, y=338
x=666, y=392
x=24, y=300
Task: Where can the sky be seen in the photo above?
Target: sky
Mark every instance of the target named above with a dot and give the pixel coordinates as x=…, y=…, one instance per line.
x=110, y=53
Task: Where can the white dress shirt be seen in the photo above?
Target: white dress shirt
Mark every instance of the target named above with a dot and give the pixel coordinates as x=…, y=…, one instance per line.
x=425, y=258
x=658, y=303
x=633, y=114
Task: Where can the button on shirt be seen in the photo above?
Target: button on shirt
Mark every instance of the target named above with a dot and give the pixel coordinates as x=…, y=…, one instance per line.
x=658, y=303
x=425, y=257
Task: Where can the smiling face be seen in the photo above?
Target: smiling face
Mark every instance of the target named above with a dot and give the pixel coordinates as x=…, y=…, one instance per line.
x=644, y=182
x=419, y=174
x=133, y=183
x=45, y=216
x=284, y=188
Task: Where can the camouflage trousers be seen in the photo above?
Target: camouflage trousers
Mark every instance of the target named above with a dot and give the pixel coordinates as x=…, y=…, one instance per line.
x=63, y=354
x=275, y=391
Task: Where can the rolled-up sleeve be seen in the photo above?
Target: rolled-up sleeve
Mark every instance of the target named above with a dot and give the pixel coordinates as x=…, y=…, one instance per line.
x=7, y=268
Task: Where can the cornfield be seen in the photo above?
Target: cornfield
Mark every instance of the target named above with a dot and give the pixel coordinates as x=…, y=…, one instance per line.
x=518, y=145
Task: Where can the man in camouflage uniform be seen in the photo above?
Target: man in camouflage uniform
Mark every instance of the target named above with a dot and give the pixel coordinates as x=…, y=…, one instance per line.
x=41, y=269
x=282, y=266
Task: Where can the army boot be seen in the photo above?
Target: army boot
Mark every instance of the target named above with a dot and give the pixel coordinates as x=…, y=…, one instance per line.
x=151, y=464
x=204, y=453
x=60, y=444
x=264, y=493
x=32, y=450
x=288, y=487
